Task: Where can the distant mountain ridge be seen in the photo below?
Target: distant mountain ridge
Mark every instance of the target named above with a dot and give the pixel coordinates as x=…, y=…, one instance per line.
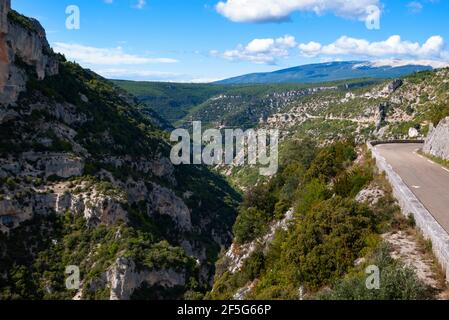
x=325, y=72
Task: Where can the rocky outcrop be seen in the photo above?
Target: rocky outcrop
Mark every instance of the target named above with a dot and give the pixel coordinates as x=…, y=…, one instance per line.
x=20, y=43
x=393, y=86
x=381, y=116
x=165, y=202
x=97, y=207
x=413, y=133
x=124, y=279
x=241, y=294
x=160, y=167
x=371, y=195
x=12, y=214
x=437, y=142
x=5, y=6
x=63, y=165
x=58, y=164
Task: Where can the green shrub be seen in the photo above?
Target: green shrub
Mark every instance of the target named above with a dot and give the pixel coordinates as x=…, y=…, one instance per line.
x=350, y=183
x=331, y=160
x=254, y=265
x=328, y=240
x=251, y=223
x=311, y=194
x=438, y=113
x=397, y=282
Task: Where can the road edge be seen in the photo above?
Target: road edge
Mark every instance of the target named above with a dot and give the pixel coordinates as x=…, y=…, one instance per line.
x=410, y=204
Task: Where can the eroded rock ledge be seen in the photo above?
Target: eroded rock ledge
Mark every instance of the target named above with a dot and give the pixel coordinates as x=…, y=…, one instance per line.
x=437, y=142
x=21, y=43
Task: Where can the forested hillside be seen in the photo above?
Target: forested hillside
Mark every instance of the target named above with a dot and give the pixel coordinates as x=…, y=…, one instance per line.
x=86, y=181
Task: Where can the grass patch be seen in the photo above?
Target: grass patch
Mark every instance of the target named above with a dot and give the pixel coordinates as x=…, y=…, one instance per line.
x=443, y=162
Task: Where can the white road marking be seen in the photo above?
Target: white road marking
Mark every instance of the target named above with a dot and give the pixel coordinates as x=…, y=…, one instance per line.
x=445, y=169
x=416, y=187
x=430, y=161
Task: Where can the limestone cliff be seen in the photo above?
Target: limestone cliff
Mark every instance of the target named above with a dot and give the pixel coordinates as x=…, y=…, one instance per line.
x=4, y=59
x=21, y=42
x=437, y=142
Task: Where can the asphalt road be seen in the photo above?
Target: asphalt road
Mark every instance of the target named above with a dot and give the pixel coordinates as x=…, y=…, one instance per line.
x=428, y=180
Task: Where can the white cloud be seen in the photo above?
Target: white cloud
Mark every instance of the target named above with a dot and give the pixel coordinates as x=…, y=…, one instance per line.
x=203, y=80
x=103, y=56
x=260, y=45
x=150, y=75
x=278, y=10
x=401, y=63
x=260, y=51
x=131, y=73
x=140, y=4
x=414, y=7
x=394, y=46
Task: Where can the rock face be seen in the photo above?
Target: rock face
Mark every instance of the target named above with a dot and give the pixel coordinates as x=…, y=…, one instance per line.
x=123, y=279
x=95, y=206
x=413, y=133
x=62, y=165
x=382, y=114
x=371, y=195
x=394, y=85
x=437, y=142
x=5, y=6
x=165, y=202
x=26, y=43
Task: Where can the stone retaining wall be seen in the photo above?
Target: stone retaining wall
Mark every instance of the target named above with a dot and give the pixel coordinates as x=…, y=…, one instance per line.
x=410, y=204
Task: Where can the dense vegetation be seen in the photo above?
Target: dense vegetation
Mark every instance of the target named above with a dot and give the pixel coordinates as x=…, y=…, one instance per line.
x=215, y=105
x=117, y=143
x=55, y=242
x=25, y=22
x=329, y=233
x=172, y=101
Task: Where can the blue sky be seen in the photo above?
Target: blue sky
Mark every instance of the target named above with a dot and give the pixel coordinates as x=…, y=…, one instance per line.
x=205, y=40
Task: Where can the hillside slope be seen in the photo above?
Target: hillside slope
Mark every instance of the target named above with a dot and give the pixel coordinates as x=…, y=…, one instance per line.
x=311, y=230
x=172, y=101
x=403, y=108
x=325, y=72
x=85, y=180
x=224, y=105
x=317, y=228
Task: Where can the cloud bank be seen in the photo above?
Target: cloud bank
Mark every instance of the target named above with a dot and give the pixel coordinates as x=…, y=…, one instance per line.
x=103, y=56
x=279, y=10
x=260, y=51
x=394, y=46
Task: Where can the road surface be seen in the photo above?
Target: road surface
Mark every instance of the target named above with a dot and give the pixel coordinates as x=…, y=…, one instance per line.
x=428, y=180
